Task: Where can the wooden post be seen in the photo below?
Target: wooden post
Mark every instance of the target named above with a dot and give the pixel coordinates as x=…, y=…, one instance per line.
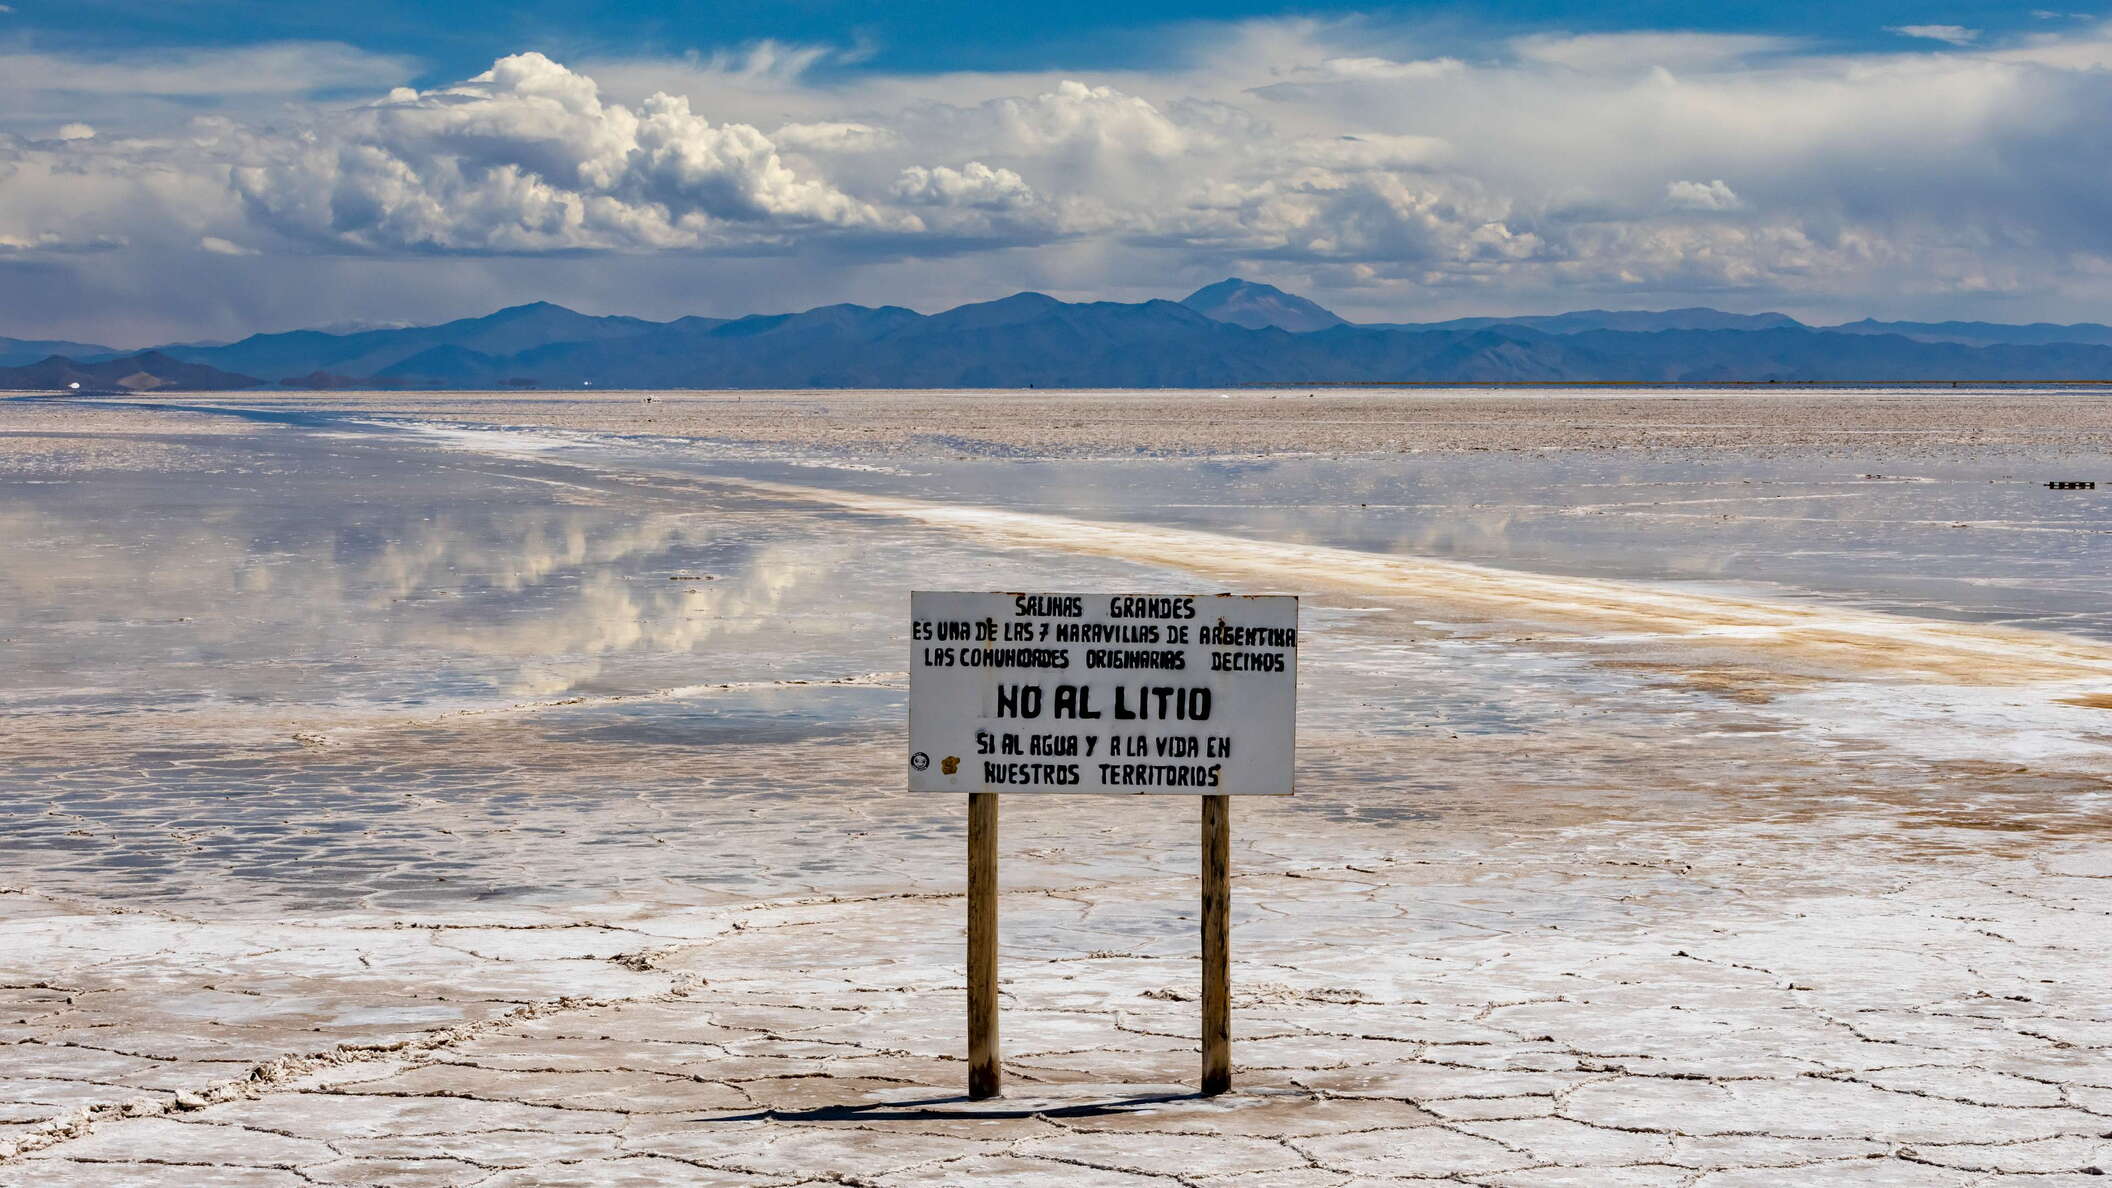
x=985, y=1078
x=1217, y=945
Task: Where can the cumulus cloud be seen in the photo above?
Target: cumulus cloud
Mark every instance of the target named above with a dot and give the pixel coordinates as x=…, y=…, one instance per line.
x=1100, y=120
x=1412, y=224
x=973, y=184
x=527, y=157
x=1692, y=195
x=1948, y=34
x=1094, y=134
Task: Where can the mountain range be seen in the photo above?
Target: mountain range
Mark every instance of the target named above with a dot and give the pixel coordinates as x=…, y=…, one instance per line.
x=1232, y=332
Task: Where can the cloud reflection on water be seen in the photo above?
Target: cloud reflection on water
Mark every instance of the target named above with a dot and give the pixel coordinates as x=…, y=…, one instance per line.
x=290, y=593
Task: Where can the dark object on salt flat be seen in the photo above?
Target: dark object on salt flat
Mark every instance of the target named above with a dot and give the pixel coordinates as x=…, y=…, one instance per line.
x=2072, y=486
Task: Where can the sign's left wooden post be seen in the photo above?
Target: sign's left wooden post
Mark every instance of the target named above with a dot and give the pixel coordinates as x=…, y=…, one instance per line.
x=985, y=1076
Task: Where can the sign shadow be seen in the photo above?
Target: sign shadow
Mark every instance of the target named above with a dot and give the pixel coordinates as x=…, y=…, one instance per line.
x=1059, y=1102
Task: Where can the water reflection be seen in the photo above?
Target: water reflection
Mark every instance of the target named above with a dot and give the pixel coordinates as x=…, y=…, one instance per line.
x=375, y=575
x=1979, y=539
x=346, y=576
x=366, y=570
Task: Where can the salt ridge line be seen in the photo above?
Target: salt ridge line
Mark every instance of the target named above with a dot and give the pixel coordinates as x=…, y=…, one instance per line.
x=1829, y=639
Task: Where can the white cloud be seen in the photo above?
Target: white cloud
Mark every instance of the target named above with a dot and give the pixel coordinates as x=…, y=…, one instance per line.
x=973, y=184
x=527, y=157
x=1948, y=34
x=1079, y=123
x=1322, y=217
x=835, y=136
x=1692, y=195
x=76, y=131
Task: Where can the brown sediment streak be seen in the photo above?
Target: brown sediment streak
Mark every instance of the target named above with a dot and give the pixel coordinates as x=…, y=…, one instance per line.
x=1812, y=638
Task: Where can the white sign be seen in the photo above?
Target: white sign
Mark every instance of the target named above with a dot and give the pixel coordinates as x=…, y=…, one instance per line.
x=1180, y=693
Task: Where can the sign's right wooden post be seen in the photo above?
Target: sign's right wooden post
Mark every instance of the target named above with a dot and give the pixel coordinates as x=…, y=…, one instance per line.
x=1217, y=945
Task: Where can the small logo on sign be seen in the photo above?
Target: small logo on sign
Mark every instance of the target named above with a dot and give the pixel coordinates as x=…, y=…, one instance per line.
x=950, y=764
x=920, y=761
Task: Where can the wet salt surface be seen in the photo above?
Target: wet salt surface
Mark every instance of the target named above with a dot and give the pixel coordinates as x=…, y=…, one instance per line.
x=321, y=582
x=1976, y=539
x=330, y=570
x=380, y=813
x=1975, y=536
x=366, y=573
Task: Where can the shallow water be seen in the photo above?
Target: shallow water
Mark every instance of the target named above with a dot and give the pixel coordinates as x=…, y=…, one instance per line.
x=332, y=561
x=1981, y=540
x=1976, y=536
x=292, y=654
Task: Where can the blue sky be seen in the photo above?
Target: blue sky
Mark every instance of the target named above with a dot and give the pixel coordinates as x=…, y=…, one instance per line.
x=196, y=169
x=456, y=39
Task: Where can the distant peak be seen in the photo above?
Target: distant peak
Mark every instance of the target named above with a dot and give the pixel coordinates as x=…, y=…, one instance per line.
x=1017, y=307
x=533, y=307
x=1229, y=286
x=1257, y=306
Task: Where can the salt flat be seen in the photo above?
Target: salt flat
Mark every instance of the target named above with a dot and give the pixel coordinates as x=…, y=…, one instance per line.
x=502, y=788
